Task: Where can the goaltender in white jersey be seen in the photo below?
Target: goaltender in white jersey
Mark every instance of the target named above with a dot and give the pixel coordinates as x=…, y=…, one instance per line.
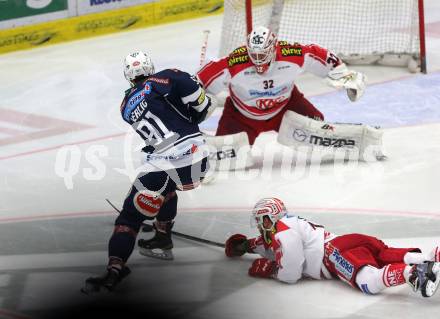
x=260, y=80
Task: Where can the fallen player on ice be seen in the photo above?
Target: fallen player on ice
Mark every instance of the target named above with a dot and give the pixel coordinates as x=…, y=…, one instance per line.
x=292, y=247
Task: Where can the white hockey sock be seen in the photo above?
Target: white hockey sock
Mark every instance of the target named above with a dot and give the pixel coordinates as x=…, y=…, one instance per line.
x=412, y=258
x=372, y=280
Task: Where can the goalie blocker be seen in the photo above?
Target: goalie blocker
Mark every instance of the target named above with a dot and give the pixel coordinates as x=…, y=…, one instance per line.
x=358, y=141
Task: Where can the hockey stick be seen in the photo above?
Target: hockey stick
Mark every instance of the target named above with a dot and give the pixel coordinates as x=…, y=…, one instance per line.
x=176, y=233
x=208, y=178
x=204, y=47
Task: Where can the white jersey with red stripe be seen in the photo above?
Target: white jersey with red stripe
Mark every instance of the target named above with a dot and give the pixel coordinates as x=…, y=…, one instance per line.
x=262, y=96
x=297, y=247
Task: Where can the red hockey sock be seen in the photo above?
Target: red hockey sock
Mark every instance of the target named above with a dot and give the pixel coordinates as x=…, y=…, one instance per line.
x=393, y=274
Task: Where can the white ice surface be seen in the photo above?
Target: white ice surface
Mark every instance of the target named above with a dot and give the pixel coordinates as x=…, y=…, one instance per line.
x=82, y=82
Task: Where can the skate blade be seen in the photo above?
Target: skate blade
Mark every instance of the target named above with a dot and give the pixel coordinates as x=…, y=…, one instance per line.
x=166, y=254
x=430, y=287
x=381, y=158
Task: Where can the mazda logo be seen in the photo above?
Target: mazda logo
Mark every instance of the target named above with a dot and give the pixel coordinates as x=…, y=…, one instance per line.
x=299, y=135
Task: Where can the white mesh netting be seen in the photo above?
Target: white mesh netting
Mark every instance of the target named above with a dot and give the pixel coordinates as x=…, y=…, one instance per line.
x=357, y=29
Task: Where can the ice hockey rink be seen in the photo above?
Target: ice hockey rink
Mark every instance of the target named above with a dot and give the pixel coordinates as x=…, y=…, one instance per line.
x=64, y=149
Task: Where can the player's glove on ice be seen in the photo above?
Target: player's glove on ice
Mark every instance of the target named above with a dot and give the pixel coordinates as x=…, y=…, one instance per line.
x=236, y=245
x=263, y=267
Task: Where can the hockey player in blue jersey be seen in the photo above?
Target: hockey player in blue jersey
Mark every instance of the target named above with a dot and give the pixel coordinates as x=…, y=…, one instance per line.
x=164, y=108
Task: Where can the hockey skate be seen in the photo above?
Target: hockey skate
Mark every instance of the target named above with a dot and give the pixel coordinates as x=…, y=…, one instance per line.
x=109, y=280
x=425, y=277
x=160, y=246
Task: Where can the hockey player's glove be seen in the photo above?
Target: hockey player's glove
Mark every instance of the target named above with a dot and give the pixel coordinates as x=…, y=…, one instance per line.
x=202, y=108
x=236, y=245
x=352, y=81
x=263, y=268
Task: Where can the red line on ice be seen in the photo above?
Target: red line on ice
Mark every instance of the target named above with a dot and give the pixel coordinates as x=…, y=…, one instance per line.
x=302, y=209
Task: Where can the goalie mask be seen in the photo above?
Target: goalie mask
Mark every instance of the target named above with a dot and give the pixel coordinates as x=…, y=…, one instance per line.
x=137, y=65
x=265, y=214
x=261, y=44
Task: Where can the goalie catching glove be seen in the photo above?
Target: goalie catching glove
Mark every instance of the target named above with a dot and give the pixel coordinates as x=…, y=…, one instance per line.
x=352, y=81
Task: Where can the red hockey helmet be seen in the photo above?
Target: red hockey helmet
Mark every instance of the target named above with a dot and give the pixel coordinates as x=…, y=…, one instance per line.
x=267, y=212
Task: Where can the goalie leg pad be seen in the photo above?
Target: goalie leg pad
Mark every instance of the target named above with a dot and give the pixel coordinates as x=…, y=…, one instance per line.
x=357, y=140
x=229, y=152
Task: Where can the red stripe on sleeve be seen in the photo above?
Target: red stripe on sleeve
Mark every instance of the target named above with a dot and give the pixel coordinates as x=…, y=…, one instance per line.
x=211, y=71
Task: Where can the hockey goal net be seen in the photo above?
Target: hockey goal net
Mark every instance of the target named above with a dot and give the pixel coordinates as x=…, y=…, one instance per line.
x=388, y=32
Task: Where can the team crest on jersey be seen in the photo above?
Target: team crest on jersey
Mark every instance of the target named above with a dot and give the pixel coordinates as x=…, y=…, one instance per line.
x=147, y=88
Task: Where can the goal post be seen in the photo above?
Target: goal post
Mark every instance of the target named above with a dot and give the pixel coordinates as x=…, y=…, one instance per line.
x=385, y=32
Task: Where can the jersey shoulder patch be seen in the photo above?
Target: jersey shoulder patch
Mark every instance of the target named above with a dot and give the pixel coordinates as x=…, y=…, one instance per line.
x=134, y=101
x=287, y=49
x=238, y=56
